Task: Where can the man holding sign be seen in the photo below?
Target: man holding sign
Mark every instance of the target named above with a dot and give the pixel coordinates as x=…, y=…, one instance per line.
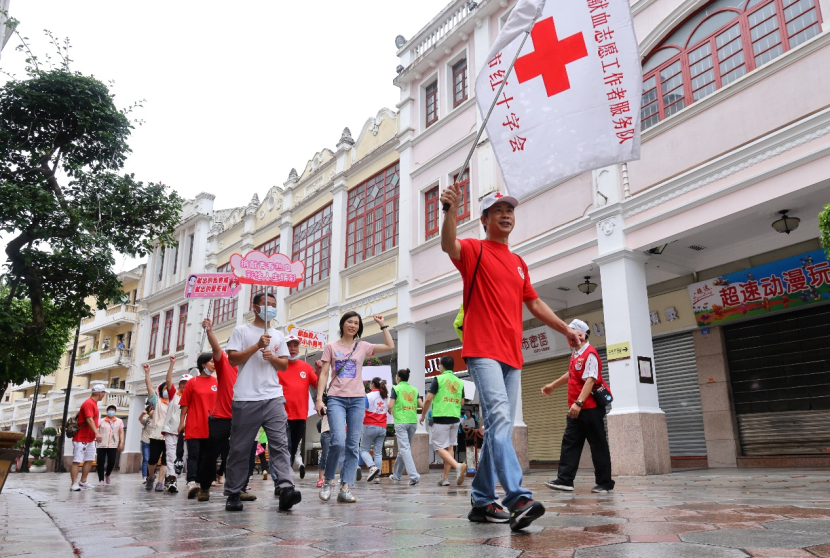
x=296, y=381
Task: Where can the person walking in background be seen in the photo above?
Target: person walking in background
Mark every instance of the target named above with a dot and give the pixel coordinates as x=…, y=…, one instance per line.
x=447, y=392
x=197, y=402
x=262, y=438
x=111, y=430
x=374, y=428
x=346, y=399
x=159, y=400
x=404, y=401
x=219, y=421
x=325, y=442
x=258, y=401
x=584, y=417
x=144, y=420
x=170, y=428
x=495, y=284
x=296, y=381
x=83, y=444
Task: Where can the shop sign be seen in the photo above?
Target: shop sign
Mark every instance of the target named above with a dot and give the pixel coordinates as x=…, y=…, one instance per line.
x=309, y=338
x=789, y=283
x=432, y=362
x=211, y=285
x=537, y=341
x=277, y=270
x=618, y=351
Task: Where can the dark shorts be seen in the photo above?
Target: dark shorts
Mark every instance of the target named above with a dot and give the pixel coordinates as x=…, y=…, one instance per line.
x=157, y=449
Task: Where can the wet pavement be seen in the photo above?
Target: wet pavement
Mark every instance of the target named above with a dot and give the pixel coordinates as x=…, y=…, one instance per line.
x=724, y=513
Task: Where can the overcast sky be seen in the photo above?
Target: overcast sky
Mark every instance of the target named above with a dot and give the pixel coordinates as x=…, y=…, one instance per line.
x=237, y=93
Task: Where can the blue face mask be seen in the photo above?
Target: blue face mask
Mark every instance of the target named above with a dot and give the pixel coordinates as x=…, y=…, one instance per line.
x=110, y=414
x=267, y=313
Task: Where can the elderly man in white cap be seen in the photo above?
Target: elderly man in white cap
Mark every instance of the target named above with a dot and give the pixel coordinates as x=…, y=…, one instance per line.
x=584, y=417
x=83, y=443
x=496, y=284
x=296, y=381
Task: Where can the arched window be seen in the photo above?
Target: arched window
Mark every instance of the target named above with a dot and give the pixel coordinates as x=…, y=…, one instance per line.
x=720, y=43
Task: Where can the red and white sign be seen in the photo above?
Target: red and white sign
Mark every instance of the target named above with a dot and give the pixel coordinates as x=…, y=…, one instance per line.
x=572, y=102
x=211, y=285
x=256, y=268
x=315, y=340
x=433, y=362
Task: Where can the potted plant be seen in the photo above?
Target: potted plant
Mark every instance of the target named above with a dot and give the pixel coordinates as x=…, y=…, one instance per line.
x=49, y=451
x=41, y=449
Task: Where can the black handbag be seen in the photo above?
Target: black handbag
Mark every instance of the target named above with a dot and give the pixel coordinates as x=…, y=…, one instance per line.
x=325, y=397
x=601, y=395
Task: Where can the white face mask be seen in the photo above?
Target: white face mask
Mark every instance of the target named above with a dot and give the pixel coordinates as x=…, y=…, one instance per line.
x=293, y=358
x=208, y=372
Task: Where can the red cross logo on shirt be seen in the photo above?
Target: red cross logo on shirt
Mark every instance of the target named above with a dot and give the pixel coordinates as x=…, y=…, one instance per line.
x=550, y=57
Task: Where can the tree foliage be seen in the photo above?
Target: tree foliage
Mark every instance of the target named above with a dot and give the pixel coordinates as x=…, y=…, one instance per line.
x=67, y=207
x=824, y=228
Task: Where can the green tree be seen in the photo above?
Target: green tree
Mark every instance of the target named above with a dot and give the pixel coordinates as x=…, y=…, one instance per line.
x=25, y=357
x=67, y=207
x=824, y=228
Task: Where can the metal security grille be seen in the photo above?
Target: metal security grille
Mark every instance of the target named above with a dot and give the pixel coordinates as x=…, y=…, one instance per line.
x=544, y=416
x=679, y=394
x=780, y=375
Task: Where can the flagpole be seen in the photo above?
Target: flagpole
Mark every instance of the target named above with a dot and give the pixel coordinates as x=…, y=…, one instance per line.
x=446, y=206
x=267, y=294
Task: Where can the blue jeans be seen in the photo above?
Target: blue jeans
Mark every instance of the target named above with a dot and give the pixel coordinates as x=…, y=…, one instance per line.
x=373, y=437
x=346, y=425
x=145, y=458
x=405, y=432
x=325, y=440
x=498, y=391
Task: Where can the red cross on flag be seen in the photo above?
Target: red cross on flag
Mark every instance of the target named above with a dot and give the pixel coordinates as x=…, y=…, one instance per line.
x=572, y=102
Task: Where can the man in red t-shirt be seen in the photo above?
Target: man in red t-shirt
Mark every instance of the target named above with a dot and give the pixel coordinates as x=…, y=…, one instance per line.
x=218, y=420
x=295, y=382
x=84, y=441
x=495, y=284
x=196, y=403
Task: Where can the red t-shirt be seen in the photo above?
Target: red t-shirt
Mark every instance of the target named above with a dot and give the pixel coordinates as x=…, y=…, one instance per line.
x=226, y=376
x=89, y=408
x=295, y=381
x=199, y=397
x=493, y=318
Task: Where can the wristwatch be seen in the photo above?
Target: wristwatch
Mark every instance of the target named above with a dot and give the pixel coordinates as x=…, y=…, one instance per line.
x=578, y=403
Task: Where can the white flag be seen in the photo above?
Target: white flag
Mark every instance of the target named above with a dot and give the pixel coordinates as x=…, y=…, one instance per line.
x=572, y=102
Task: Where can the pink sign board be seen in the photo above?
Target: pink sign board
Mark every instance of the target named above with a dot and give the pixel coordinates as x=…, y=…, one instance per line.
x=211, y=285
x=256, y=268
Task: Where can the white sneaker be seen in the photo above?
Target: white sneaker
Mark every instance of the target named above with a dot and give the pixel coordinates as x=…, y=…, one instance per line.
x=461, y=476
x=444, y=481
x=373, y=473
x=75, y=487
x=85, y=486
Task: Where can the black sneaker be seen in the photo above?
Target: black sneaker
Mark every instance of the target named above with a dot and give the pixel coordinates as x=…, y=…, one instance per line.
x=601, y=490
x=524, y=512
x=289, y=497
x=178, y=466
x=302, y=471
x=277, y=490
x=359, y=474
x=491, y=513
x=233, y=503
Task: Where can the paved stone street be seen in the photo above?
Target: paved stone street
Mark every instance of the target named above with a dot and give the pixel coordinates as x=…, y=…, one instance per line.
x=694, y=514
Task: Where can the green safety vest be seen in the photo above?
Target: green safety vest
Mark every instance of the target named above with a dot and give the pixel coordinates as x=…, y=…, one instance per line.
x=447, y=402
x=405, y=409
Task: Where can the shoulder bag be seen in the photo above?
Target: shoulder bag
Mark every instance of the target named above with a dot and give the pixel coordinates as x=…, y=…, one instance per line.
x=344, y=361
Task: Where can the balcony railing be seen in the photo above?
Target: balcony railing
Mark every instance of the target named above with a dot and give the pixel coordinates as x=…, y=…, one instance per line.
x=101, y=360
x=52, y=407
x=110, y=317
x=442, y=29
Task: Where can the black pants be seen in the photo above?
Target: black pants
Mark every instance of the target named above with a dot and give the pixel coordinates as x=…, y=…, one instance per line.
x=157, y=450
x=219, y=435
x=461, y=447
x=296, y=431
x=105, y=455
x=588, y=425
x=180, y=447
x=195, y=452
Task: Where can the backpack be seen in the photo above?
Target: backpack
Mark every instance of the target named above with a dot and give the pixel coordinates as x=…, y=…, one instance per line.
x=71, y=428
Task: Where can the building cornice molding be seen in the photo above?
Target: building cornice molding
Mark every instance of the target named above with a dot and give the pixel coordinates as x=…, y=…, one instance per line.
x=449, y=151
x=462, y=228
x=623, y=254
x=780, y=141
x=309, y=291
x=367, y=265
x=384, y=149
x=456, y=112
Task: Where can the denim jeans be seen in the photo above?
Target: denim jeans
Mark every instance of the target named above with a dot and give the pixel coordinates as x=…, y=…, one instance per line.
x=405, y=433
x=145, y=458
x=372, y=439
x=498, y=391
x=346, y=425
x=325, y=441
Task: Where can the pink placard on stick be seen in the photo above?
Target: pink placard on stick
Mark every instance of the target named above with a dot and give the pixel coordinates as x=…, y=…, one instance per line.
x=211, y=285
x=256, y=268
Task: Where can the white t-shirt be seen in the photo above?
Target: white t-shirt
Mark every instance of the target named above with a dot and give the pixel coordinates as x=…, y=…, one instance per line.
x=257, y=379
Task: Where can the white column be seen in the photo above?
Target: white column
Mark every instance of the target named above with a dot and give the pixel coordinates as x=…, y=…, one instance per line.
x=131, y=456
x=338, y=244
x=286, y=247
x=411, y=346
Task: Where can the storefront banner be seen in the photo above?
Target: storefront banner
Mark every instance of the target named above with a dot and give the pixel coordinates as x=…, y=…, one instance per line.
x=211, y=285
x=432, y=362
x=277, y=270
x=538, y=343
x=309, y=338
x=789, y=283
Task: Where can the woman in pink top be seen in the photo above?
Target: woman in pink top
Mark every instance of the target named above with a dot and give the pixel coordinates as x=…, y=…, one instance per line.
x=346, y=404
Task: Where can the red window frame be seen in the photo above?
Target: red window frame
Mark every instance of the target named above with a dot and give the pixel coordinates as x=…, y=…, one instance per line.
x=463, y=207
x=268, y=248
x=312, y=246
x=431, y=103
x=154, y=335
x=459, y=82
x=224, y=309
x=182, y=327
x=372, y=215
x=168, y=333
x=746, y=42
x=432, y=204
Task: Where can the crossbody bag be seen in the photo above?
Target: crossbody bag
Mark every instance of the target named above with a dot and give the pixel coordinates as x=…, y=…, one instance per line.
x=344, y=361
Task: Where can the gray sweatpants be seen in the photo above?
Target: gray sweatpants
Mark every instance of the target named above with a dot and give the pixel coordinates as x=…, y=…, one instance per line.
x=248, y=416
